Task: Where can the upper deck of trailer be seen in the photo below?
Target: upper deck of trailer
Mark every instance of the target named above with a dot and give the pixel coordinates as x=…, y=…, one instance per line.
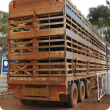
x=20, y=8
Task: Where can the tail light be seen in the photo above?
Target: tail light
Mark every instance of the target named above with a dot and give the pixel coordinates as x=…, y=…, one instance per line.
x=19, y=92
x=14, y=4
x=62, y=88
x=12, y=86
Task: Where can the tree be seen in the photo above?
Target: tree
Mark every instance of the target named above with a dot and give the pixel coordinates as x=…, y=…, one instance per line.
x=3, y=33
x=108, y=1
x=100, y=18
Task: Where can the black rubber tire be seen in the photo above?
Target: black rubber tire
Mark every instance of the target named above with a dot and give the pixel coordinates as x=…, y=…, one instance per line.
x=81, y=91
x=87, y=89
x=72, y=96
x=65, y=104
x=32, y=102
x=24, y=102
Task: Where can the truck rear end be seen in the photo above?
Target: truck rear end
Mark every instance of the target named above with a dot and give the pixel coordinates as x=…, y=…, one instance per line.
x=37, y=45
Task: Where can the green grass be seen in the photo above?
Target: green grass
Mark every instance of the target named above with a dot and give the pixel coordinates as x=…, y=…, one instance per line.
x=3, y=73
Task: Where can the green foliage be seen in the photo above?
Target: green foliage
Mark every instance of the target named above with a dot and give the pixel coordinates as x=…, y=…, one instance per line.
x=3, y=34
x=3, y=23
x=3, y=31
x=108, y=1
x=0, y=64
x=106, y=33
x=100, y=17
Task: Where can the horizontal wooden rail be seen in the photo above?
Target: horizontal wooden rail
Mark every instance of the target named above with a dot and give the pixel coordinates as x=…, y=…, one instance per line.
x=13, y=28
x=19, y=22
x=48, y=18
x=45, y=24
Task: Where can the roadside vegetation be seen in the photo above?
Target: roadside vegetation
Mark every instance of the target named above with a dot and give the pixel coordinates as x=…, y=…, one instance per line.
x=100, y=18
x=3, y=34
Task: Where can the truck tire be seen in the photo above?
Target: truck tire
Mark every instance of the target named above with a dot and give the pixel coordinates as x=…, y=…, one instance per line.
x=81, y=91
x=87, y=89
x=72, y=96
x=24, y=102
x=32, y=102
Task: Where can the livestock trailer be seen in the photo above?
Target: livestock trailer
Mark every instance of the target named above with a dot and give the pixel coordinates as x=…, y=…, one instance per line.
x=57, y=52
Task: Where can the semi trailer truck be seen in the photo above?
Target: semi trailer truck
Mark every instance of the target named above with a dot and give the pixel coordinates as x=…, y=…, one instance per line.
x=57, y=52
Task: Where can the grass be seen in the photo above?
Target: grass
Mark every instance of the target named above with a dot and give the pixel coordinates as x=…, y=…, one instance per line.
x=1, y=73
x=4, y=86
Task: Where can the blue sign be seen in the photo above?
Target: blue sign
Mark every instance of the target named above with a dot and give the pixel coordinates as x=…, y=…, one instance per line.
x=5, y=65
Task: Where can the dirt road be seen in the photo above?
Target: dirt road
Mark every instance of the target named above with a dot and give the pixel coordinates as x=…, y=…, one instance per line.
x=9, y=103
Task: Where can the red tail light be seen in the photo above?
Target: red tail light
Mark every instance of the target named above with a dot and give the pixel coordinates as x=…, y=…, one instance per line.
x=60, y=88
x=14, y=4
x=57, y=0
x=19, y=92
x=12, y=86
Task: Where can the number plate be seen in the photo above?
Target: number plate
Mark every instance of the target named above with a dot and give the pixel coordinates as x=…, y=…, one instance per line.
x=35, y=92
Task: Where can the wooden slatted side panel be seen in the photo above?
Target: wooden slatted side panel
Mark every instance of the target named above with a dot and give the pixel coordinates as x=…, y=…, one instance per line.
x=78, y=13
x=21, y=68
x=25, y=68
x=21, y=25
x=46, y=72
x=77, y=26
x=21, y=38
x=86, y=50
x=49, y=21
x=83, y=49
x=21, y=46
x=40, y=52
x=85, y=58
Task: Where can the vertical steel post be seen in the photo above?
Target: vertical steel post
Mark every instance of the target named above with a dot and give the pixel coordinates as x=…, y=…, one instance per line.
x=107, y=69
x=1, y=74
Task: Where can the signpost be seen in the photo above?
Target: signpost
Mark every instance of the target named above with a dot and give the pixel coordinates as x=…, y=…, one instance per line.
x=4, y=68
x=4, y=71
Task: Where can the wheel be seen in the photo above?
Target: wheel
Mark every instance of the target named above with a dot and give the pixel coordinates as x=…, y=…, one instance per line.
x=87, y=89
x=32, y=102
x=81, y=91
x=24, y=102
x=72, y=96
x=65, y=104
